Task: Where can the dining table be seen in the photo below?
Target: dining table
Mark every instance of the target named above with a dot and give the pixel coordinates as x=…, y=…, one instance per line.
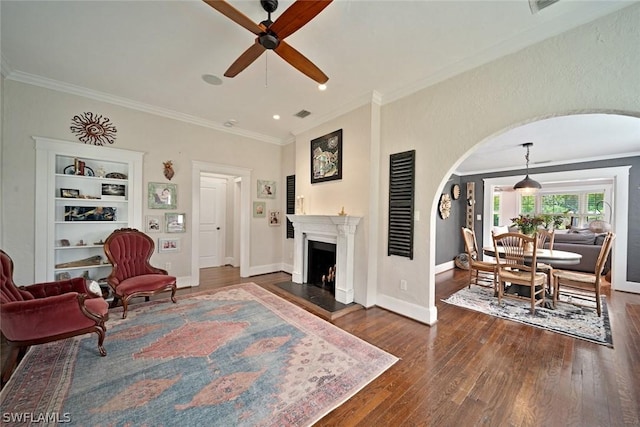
x=553, y=257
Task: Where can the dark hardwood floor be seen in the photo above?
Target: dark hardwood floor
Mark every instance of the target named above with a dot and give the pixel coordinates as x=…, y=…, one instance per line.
x=473, y=369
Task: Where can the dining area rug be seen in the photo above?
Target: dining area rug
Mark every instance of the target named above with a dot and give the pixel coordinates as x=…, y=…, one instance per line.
x=575, y=315
x=238, y=355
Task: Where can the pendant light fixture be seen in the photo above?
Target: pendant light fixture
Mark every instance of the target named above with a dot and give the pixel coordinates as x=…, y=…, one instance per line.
x=527, y=184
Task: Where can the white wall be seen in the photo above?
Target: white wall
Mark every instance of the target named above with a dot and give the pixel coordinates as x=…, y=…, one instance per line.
x=31, y=110
x=592, y=68
x=351, y=192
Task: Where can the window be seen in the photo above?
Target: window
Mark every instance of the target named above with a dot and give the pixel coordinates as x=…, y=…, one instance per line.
x=528, y=204
x=578, y=208
x=496, y=209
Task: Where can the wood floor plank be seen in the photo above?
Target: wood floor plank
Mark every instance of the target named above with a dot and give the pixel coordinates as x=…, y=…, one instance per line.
x=473, y=369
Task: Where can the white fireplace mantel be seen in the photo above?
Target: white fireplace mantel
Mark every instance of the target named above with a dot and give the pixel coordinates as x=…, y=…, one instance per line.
x=332, y=229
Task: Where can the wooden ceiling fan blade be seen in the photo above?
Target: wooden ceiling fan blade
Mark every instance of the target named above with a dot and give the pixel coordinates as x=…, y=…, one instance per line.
x=297, y=15
x=235, y=15
x=244, y=60
x=300, y=62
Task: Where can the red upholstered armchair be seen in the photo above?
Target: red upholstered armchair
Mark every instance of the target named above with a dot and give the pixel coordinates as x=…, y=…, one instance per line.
x=46, y=312
x=129, y=251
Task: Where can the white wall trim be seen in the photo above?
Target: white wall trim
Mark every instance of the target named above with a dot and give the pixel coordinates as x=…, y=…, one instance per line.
x=56, y=85
x=445, y=266
x=428, y=315
x=244, y=175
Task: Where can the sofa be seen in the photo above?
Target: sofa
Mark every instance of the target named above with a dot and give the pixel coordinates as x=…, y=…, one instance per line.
x=584, y=242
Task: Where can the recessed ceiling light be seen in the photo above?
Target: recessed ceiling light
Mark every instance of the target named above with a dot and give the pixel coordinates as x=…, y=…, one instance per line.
x=211, y=79
x=276, y=117
x=322, y=87
x=230, y=123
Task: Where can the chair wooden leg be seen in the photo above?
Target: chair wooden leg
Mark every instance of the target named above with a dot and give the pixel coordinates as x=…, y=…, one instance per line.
x=598, y=307
x=13, y=358
x=101, y=333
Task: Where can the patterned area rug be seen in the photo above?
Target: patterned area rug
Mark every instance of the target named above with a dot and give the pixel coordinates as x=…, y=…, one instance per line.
x=578, y=321
x=236, y=356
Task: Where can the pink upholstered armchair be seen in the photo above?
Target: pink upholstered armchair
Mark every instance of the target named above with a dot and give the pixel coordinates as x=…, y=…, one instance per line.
x=46, y=312
x=129, y=251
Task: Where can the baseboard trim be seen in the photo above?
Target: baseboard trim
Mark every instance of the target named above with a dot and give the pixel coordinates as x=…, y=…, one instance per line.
x=444, y=267
x=407, y=309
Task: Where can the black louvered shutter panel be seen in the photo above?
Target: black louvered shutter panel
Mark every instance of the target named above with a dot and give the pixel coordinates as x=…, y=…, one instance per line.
x=291, y=203
x=401, y=203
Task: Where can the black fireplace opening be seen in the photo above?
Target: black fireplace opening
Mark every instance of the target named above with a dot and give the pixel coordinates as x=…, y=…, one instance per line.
x=321, y=265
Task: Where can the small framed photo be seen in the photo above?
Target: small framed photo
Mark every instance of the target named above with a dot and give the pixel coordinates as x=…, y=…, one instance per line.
x=169, y=244
x=162, y=196
x=113, y=191
x=154, y=224
x=69, y=193
x=266, y=189
x=274, y=218
x=175, y=222
x=259, y=209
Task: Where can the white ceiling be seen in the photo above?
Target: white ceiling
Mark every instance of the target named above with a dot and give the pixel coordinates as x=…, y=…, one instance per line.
x=151, y=55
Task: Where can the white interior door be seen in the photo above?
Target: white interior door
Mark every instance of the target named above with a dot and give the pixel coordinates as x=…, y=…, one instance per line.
x=212, y=218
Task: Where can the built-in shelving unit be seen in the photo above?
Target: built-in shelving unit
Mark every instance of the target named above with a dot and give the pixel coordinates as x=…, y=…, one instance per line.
x=76, y=212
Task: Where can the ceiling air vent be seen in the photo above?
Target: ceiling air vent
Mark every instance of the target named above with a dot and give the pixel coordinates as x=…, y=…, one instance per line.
x=302, y=114
x=537, y=5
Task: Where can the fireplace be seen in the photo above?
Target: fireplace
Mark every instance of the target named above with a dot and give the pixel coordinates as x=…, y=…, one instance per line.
x=321, y=265
x=331, y=229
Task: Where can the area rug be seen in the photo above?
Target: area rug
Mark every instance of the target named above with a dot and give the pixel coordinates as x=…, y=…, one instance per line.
x=578, y=320
x=236, y=356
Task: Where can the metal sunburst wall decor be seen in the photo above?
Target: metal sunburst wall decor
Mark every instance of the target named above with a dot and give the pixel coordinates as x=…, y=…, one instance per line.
x=93, y=128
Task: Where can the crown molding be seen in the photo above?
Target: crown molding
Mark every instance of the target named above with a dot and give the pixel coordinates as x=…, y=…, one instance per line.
x=536, y=169
x=59, y=86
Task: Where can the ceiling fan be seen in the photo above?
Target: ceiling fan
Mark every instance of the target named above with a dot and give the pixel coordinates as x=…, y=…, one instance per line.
x=271, y=35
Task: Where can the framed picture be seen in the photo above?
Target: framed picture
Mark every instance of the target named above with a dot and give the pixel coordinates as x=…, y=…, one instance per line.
x=162, y=196
x=266, y=189
x=168, y=244
x=154, y=224
x=113, y=190
x=89, y=213
x=174, y=222
x=326, y=157
x=69, y=193
x=259, y=209
x=274, y=218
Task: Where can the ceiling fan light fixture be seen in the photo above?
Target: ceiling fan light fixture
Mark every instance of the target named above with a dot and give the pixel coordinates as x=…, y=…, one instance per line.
x=211, y=79
x=527, y=184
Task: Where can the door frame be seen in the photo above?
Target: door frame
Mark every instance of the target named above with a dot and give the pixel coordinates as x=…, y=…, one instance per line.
x=243, y=175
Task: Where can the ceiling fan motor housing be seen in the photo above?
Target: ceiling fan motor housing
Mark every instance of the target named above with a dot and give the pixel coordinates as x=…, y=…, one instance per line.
x=269, y=5
x=269, y=40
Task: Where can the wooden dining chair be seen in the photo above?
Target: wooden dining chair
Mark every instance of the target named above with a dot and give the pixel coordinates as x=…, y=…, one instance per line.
x=481, y=273
x=584, y=282
x=546, y=238
x=509, y=249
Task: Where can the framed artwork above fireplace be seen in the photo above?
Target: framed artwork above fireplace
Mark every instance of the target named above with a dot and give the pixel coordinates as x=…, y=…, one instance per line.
x=326, y=157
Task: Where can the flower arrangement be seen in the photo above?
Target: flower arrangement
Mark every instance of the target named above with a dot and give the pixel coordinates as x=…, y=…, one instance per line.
x=527, y=224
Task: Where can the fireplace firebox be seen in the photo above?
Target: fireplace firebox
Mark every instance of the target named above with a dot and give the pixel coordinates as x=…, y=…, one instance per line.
x=321, y=265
